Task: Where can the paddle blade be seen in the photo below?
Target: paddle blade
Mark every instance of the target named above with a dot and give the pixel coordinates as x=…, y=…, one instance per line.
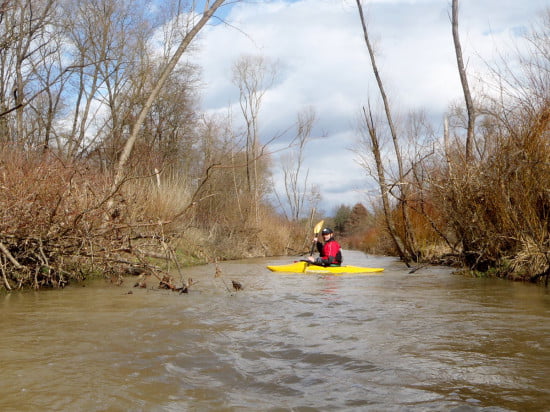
x=318, y=227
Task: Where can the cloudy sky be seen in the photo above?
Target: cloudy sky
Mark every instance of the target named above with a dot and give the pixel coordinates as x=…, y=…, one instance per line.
x=323, y=64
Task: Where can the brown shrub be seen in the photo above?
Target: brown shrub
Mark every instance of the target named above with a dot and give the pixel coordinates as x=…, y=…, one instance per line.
x=503, y=198
x=48, y=213
x=56, y=223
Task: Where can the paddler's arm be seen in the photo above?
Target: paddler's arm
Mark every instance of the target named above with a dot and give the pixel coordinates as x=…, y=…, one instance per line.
x=319, y=246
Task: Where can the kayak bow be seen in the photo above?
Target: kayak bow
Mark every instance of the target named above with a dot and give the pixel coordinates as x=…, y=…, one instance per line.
x=305, y=267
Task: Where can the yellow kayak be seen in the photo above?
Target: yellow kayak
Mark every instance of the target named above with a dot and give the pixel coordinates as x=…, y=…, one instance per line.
x=305, y=267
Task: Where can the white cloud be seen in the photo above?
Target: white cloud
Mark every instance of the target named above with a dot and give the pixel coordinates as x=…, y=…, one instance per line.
x=324, y=64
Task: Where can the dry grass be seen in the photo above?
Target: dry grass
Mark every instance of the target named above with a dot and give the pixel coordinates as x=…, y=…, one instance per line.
x=159, y=198
x=530, y=260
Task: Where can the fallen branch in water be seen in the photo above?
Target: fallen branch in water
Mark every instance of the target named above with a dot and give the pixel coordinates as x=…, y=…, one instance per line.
x=9, y=256
x=4, y=277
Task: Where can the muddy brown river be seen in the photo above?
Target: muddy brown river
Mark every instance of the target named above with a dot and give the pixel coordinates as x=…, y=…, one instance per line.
x=427, y=341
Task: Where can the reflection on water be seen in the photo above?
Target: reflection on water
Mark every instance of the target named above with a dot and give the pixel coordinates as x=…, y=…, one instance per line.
x=412, y=342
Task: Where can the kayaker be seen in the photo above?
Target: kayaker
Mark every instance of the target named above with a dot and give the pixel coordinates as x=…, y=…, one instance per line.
x=330, y=252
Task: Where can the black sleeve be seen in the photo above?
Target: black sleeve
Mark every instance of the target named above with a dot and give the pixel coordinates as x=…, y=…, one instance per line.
x=320, y=247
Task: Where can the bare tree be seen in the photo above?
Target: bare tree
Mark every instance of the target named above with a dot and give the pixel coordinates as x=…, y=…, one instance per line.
x=464, y=81
x=107, y=39
x=383, y=184
x=406, y=249
x=209, y=11
x=168, y=135
x=253, y=75
x=88, y=31
x=23, y=36
x=50, y=101
x=295, y=179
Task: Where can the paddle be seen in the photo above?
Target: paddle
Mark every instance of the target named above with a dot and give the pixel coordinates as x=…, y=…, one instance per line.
x=316, y=231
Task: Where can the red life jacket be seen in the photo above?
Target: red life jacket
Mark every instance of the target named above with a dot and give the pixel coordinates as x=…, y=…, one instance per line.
x=331, y=253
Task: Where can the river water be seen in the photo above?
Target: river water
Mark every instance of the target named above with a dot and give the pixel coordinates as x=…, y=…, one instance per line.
x=427, y=341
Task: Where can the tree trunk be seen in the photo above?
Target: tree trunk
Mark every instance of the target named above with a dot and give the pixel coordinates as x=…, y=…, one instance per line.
x=410, y=242
x=127, y=150
x=464, y=81
x=398, y=243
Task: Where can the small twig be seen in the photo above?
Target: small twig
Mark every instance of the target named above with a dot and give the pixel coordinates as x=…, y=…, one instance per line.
x=418, y=268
